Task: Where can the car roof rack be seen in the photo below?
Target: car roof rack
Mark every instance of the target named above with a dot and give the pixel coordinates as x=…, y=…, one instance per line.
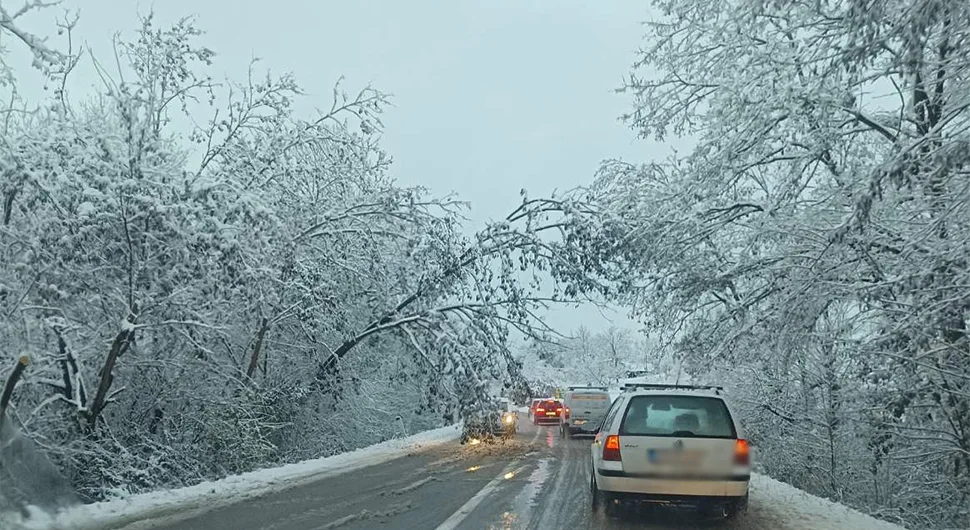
x=586, y=387
x=656, y=386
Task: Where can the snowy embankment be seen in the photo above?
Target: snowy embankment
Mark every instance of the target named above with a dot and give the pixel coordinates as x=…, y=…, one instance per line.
x=169, y=505
x=775, y=504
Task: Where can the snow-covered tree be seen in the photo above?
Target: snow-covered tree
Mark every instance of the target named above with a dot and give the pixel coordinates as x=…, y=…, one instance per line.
x=254, y=292
x=587, y=357
x=812, y=246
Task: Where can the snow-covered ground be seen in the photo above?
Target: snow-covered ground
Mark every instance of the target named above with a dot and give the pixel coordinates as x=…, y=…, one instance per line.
x=774, y=504
x=777, y=505
x=163, y=506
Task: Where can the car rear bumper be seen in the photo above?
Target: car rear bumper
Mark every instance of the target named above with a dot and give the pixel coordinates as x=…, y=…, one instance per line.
x=687, y=501
x=547, y=419
x=648, y=487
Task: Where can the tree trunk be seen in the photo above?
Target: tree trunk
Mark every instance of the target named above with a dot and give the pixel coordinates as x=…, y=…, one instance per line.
x=18, y=370
x=118, y=347
x=257, y=348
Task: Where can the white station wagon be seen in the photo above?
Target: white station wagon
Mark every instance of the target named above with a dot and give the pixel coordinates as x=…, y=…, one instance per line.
x=674, y=445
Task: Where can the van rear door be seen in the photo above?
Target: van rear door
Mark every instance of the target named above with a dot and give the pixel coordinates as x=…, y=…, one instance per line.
x=587, y=407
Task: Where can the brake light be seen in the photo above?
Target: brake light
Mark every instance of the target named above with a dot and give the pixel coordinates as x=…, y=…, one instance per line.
x=742, y=452
x=540, y=409
x=566, y=413
x=611, y=449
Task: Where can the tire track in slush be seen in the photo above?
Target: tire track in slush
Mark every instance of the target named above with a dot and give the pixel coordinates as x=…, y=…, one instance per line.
x=511, y=470
x=524, y=502
x=568, y=491
x=520, y=511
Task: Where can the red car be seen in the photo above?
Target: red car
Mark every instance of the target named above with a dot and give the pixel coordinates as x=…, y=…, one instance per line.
x=532, y=407
x=547, y=411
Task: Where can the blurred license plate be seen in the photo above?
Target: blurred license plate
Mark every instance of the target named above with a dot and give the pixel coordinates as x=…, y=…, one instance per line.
x=674, y=458
x=550, y=414
x=579, y=422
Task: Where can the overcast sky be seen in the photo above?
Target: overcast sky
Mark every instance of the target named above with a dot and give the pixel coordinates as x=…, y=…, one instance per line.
x=489, y=96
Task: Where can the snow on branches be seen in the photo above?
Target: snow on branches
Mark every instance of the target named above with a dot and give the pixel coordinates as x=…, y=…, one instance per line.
x=202, y=304
x=814, y=241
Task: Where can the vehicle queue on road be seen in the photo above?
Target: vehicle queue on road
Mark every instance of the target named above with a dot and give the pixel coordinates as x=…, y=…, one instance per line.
x=657, y=444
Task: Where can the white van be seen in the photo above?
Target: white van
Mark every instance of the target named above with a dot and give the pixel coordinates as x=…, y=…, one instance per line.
x=584, y=409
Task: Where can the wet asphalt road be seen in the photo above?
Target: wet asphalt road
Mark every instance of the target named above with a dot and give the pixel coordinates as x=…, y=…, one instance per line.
x=536, y=482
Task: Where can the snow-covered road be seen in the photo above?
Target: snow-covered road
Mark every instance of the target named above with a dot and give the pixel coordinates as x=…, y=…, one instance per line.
x=539, y=482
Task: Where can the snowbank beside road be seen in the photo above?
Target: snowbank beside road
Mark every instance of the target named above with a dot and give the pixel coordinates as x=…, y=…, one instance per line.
x=783, y=506
x=170, y=505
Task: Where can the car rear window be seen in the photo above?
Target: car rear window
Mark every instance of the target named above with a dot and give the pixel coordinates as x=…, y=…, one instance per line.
x=610, y=414
x=680, y=416
x=550, y=405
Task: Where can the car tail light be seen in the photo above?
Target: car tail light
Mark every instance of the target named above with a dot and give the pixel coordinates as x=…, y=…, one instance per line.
x=540, y=409
x=566, y=413
x=611, y=449
x=742, y=452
